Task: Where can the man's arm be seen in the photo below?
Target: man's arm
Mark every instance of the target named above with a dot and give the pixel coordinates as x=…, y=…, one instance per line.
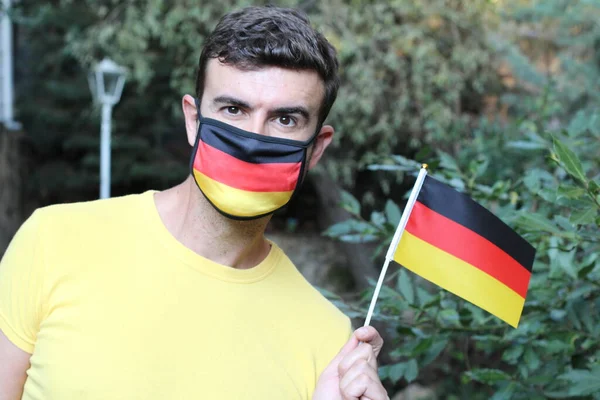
x=21, y=306
x=14, y=363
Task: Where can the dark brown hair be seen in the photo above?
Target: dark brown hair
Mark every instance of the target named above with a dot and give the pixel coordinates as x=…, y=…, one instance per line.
x=256, y=37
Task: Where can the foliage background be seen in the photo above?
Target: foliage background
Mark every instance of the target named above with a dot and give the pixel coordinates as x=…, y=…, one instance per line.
x=499, y=97
x=429, y=59
x=537, y=166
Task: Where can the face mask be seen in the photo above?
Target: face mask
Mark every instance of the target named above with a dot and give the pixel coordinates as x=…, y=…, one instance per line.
x=245, y=175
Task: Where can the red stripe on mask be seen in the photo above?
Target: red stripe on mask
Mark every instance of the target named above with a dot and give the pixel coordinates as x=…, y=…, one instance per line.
x=220, y=166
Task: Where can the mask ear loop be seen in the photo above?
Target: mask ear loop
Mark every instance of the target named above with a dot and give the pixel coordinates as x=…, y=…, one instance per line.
x=197, y=141
x=198, y=115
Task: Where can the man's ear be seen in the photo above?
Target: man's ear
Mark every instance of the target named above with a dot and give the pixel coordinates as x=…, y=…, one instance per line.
x=323, y=140
x=190, y=113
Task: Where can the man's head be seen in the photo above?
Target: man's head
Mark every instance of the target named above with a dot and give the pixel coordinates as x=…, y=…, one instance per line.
x=258, y=37
x=266, y=83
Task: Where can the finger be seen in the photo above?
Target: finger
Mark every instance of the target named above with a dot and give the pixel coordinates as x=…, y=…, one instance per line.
x=368, y=334
x=364, y=387
x=360, y=367
x=375, y=391
x=355, y=389
x=362, y=352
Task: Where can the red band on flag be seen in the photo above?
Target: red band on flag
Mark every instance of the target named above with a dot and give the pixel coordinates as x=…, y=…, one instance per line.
x=467, y=245
x=223, y=168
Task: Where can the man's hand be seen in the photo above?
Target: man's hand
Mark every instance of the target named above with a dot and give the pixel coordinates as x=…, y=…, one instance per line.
x=352, y=374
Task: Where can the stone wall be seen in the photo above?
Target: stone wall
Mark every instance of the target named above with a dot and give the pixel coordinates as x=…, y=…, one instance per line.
x=12, y=173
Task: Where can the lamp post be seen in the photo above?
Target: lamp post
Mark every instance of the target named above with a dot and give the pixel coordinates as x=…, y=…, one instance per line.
x=106, y=84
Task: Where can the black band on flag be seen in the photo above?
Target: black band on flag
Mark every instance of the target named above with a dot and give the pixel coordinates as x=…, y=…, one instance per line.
x=460, y=208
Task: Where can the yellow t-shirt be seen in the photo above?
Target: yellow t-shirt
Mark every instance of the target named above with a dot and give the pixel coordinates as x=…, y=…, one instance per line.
x=112, y=306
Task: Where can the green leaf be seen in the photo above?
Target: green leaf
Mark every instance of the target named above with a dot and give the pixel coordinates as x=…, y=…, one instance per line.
x=384, y=372
x=339, y=229
x=569, y=160
x=407, y=369
x=532, y=360
x=594, y=186
x=423, y=296
x=350, y=226
x=434, y=351
x=513, y=353
x=535, y=178
x=412, y=370
x=525, y=145
x=422, y=346
x=557, y=394
x=449, y=317
x=583, y=382
x=396, y=371
x=488, y=376
x=406, y=164
x=563, y=260
x=378, y=219
x=505, y=393
x=358, y=238
x=583, y=272
x=447, y=161
x=570, y=192
x=386, y=167
x=564, y=223
x=557, y=346
x=536, y=222
x=579, y=123
x=557, y=315
x=432, y=301
x=392, y=212
x=350, y=203
x=405, y=286
x=583, y=217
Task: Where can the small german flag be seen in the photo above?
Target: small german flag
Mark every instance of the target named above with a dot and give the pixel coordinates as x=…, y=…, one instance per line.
x=457, y=244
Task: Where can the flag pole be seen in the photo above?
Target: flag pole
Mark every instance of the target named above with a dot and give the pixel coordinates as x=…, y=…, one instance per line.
x=396, y=239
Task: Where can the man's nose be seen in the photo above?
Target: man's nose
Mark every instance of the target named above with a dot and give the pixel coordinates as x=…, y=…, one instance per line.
x=258, y=124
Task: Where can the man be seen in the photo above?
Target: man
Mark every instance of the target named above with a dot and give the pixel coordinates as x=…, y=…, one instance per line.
x=177, y=294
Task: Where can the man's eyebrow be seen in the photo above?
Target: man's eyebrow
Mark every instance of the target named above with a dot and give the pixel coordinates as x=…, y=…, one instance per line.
x=232, y=101
x=292, y=110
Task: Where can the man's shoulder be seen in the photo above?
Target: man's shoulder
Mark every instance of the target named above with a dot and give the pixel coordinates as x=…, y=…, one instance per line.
x=89, y=210
x=62, y=221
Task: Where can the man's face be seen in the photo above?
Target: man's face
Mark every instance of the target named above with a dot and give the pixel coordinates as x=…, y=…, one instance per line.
x=270, y=101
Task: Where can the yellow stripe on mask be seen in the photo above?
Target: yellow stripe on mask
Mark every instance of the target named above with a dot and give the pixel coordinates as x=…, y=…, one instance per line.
x=460, y=278
x=246, y=204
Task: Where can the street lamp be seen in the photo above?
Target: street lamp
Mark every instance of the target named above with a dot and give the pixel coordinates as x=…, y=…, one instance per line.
x=106, y=83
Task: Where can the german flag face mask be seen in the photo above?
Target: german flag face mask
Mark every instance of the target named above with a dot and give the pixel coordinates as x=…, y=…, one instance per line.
x=246, y=175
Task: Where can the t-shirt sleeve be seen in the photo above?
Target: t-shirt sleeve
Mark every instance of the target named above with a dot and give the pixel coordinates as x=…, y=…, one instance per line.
x=332, y=345
x=21, y=281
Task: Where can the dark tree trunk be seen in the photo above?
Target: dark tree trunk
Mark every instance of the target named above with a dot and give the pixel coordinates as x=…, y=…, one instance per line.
x=359, y=256
x=12, y=174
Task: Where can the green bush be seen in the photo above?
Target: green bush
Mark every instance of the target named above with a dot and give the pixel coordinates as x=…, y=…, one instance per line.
x=540, y=172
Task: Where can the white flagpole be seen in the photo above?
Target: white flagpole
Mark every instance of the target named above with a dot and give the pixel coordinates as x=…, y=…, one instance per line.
x=396, y=239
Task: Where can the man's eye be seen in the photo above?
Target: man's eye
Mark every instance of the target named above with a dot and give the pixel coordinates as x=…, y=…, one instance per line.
x=287, y=121
x=233, y=110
